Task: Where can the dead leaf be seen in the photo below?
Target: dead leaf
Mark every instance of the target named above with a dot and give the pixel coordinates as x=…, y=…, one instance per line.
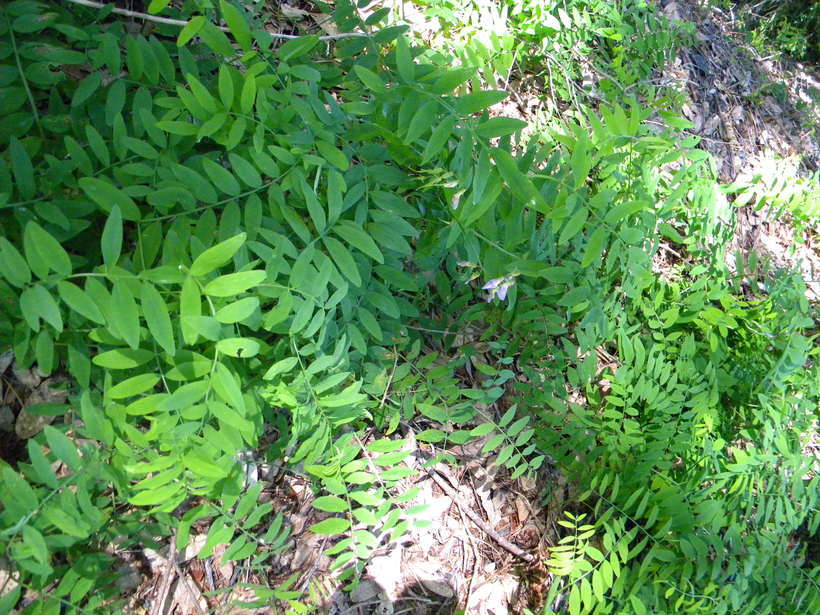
x=522, y=509
x=225, y=568
x=364, y=591
x=439, y=588
x=293, y=13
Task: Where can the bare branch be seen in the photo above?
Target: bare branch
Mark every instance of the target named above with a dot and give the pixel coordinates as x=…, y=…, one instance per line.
x=182, y=23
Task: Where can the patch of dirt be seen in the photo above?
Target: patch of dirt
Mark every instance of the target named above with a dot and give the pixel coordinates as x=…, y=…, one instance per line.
x=742, y=104
x=757, y=117
x=437, y=567
x=24, y=397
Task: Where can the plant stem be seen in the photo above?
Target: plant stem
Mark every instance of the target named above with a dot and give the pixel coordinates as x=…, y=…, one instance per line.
x=23, y=78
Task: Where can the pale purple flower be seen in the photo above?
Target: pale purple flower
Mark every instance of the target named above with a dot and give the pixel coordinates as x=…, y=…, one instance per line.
x=498, y=287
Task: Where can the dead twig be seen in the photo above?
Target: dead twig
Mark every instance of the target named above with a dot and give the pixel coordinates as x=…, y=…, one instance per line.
x=182, y=23
x=194, y=592
x=503, y=542
x=303, y=584
x=165, y=585
x=471, y=542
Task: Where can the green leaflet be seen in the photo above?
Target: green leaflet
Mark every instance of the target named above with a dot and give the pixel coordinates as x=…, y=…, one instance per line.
x=573, y=225
x=436, y=142
x=106, y=195
x=22, y=168
x=518, y=183
x=234, y=283
x=190, y=307
x=370, y=79
x=79, y=301
x=12, y=264
x=62, y=447
x=43, y=250
x=238, y=310
x=37, y=303
x=237, y=24
x=112, y=237
x=343, y=259
x=355, y=236
x=182, y=129
x=126, y=314
x=404, y=60
x=329, y=503
x=334, y=525
x=280, y=367
x=594, y=247
x=297, y=47
x=246, y=172
x=155, y=312
x=333, y=155
x=228, y=388
x=225, y=86
x=221, y=177
x=247, y=96
x=133, y=386
x=216, y=40
x=422, y=121
x=218, y=255
x=499, y=127
x=190, y=30
x=477, y=101
x=451, y=79
x=41, y=465
x=240, y=347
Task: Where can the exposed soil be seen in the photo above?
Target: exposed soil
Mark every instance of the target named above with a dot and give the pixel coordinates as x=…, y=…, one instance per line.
x=756, y=116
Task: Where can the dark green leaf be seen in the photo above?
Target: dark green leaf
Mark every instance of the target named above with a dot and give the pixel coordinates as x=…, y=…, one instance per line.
x=217, y=256
x=234, y=283
x=190, y=30
x=221, y=177
x=155, y=312
x=22, y=168
x=404, y=60
x=237, y=24
x=356, y=236
x=125, y=314
x=333, y=525
x=499, y=127
x=12, y=264
x=112, y=237
x=77, y=299
x=106, y=196
x=477, y=101
x=62, y=447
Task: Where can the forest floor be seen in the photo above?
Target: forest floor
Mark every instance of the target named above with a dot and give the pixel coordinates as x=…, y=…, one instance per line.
x=747, y=110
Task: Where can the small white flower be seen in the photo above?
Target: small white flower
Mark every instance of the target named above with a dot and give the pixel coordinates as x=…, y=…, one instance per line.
x=498, y=287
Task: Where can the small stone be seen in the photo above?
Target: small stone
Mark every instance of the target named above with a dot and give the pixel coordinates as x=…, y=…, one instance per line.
x=29, y=425
x=364, y=591
x=6, y=419
x=128, y=578
x=6, y=359
x=27, y=377
x=384, y=607
x=439, y=588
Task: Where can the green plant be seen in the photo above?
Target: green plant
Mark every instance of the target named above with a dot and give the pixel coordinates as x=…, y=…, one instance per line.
x=575, y=52
x=216, y=235
x=777, y=188
x=790, y=26
x=236, y=254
